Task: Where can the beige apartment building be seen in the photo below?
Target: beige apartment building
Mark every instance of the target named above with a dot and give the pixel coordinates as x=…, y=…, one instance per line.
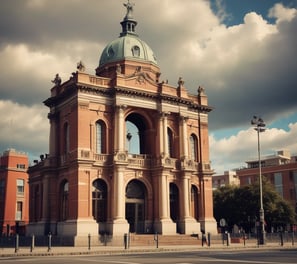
x=127, y=152
x=279, y=168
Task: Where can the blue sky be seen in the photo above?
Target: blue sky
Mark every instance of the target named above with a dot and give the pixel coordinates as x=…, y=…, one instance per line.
x=235, y=10
x=241, y=51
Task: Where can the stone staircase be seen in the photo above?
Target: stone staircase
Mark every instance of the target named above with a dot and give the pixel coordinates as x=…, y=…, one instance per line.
x=150, y=240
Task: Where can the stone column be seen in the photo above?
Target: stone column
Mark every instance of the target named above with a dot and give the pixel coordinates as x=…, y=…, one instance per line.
x=163, y=194
x=45, y=198
x=119, y=135
x=165, y=134
x=186, y=200
x=184, y=146
x=53, y=137
x=119, y=201
x=161, y=136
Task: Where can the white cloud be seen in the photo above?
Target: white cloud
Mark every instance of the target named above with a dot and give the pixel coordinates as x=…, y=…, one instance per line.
x=24, y=128
x=282, y=13
x=231, y=152
x=245, y=69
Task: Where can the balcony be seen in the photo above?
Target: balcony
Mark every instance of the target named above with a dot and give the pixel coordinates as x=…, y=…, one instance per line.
x=137, y=161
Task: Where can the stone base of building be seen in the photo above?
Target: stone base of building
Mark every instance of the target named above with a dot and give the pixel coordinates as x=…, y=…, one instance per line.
x=38, y=229
x=165, y=227
x=189, y=226
x=209, y=226
x=118, y=227
x=78, y=227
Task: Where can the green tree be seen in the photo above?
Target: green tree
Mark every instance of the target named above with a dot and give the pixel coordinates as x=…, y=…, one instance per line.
x=240, y=206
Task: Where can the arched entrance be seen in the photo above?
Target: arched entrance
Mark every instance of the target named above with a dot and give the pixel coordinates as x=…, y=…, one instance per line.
x=174, y=202
x=194, y=202
x=137, y=134
x=135, y=206
x=99, y=201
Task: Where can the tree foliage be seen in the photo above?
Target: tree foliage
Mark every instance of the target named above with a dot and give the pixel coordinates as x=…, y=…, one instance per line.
x=240, y=206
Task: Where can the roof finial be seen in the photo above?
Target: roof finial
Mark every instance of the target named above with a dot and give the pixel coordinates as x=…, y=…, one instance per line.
x=129, y=7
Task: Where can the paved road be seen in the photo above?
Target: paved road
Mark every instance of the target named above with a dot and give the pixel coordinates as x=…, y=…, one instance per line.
x=190, y=257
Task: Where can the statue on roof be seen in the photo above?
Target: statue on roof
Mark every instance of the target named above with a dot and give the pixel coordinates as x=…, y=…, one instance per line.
x=57, y=81
x=80, y=66
x=129, y=7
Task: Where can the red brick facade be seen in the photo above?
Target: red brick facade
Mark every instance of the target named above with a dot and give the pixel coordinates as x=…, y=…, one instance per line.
x=14, y=193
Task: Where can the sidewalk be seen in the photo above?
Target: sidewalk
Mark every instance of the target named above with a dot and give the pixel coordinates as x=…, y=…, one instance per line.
x=110, y=250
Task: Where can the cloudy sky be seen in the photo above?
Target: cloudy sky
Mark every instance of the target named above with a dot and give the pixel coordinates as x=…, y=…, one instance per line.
x=242, y=52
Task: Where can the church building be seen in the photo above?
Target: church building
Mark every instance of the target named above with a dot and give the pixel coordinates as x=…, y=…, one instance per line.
x=127, y=152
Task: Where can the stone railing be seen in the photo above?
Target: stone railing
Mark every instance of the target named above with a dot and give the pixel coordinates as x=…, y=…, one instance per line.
x=139, y=161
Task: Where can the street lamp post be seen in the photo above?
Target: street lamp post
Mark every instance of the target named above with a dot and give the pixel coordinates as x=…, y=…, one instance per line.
x=260, y=127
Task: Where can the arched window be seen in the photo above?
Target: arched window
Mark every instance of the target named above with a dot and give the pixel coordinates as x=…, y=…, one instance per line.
x=64, y=201
x=193, y=147
x=170, y=142
x=136, y=51
x=137, y=135
x=66, y=138
x=132, y=138
x=194, y=202
x=36, y=201
x=99, y=201
x=100, y=137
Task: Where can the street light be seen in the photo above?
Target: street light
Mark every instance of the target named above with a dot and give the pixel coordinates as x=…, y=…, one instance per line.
x=260, y=127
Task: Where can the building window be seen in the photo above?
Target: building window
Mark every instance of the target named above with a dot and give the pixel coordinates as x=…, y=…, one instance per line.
x=19, y=211
x=295, y=182
x=249, y=180
x=193, y=147
x=99, y=201
x=64, y=200
x=136, y=51
x=100, y=137
x=2, y=187
x=278, y=183
x=20, y=186
x=66, y=138
x=170, y=142
x=21, y=166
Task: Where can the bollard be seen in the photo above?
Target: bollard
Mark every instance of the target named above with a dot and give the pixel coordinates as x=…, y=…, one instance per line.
x=105, y=239
x=208, y=239
x=243, y=238
x=32, y=243
x=228, y=239
x=156, y=238
x=126, y=240
x=281, y=239
x=89, y=241
x=17, y=241
x=49, y=242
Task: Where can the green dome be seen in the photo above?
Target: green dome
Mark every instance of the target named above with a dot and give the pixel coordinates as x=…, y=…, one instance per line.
x=127, y=47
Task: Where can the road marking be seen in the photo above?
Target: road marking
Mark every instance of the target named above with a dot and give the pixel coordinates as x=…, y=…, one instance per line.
x=109, y=261
x=240, y=261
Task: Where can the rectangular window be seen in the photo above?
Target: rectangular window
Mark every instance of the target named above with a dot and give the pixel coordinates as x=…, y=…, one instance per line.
x=21, y=166
x=278, y=183
x=19, y=211
x=2, y=187
x=295, y=182
x=249, y=180
x=20, y=186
